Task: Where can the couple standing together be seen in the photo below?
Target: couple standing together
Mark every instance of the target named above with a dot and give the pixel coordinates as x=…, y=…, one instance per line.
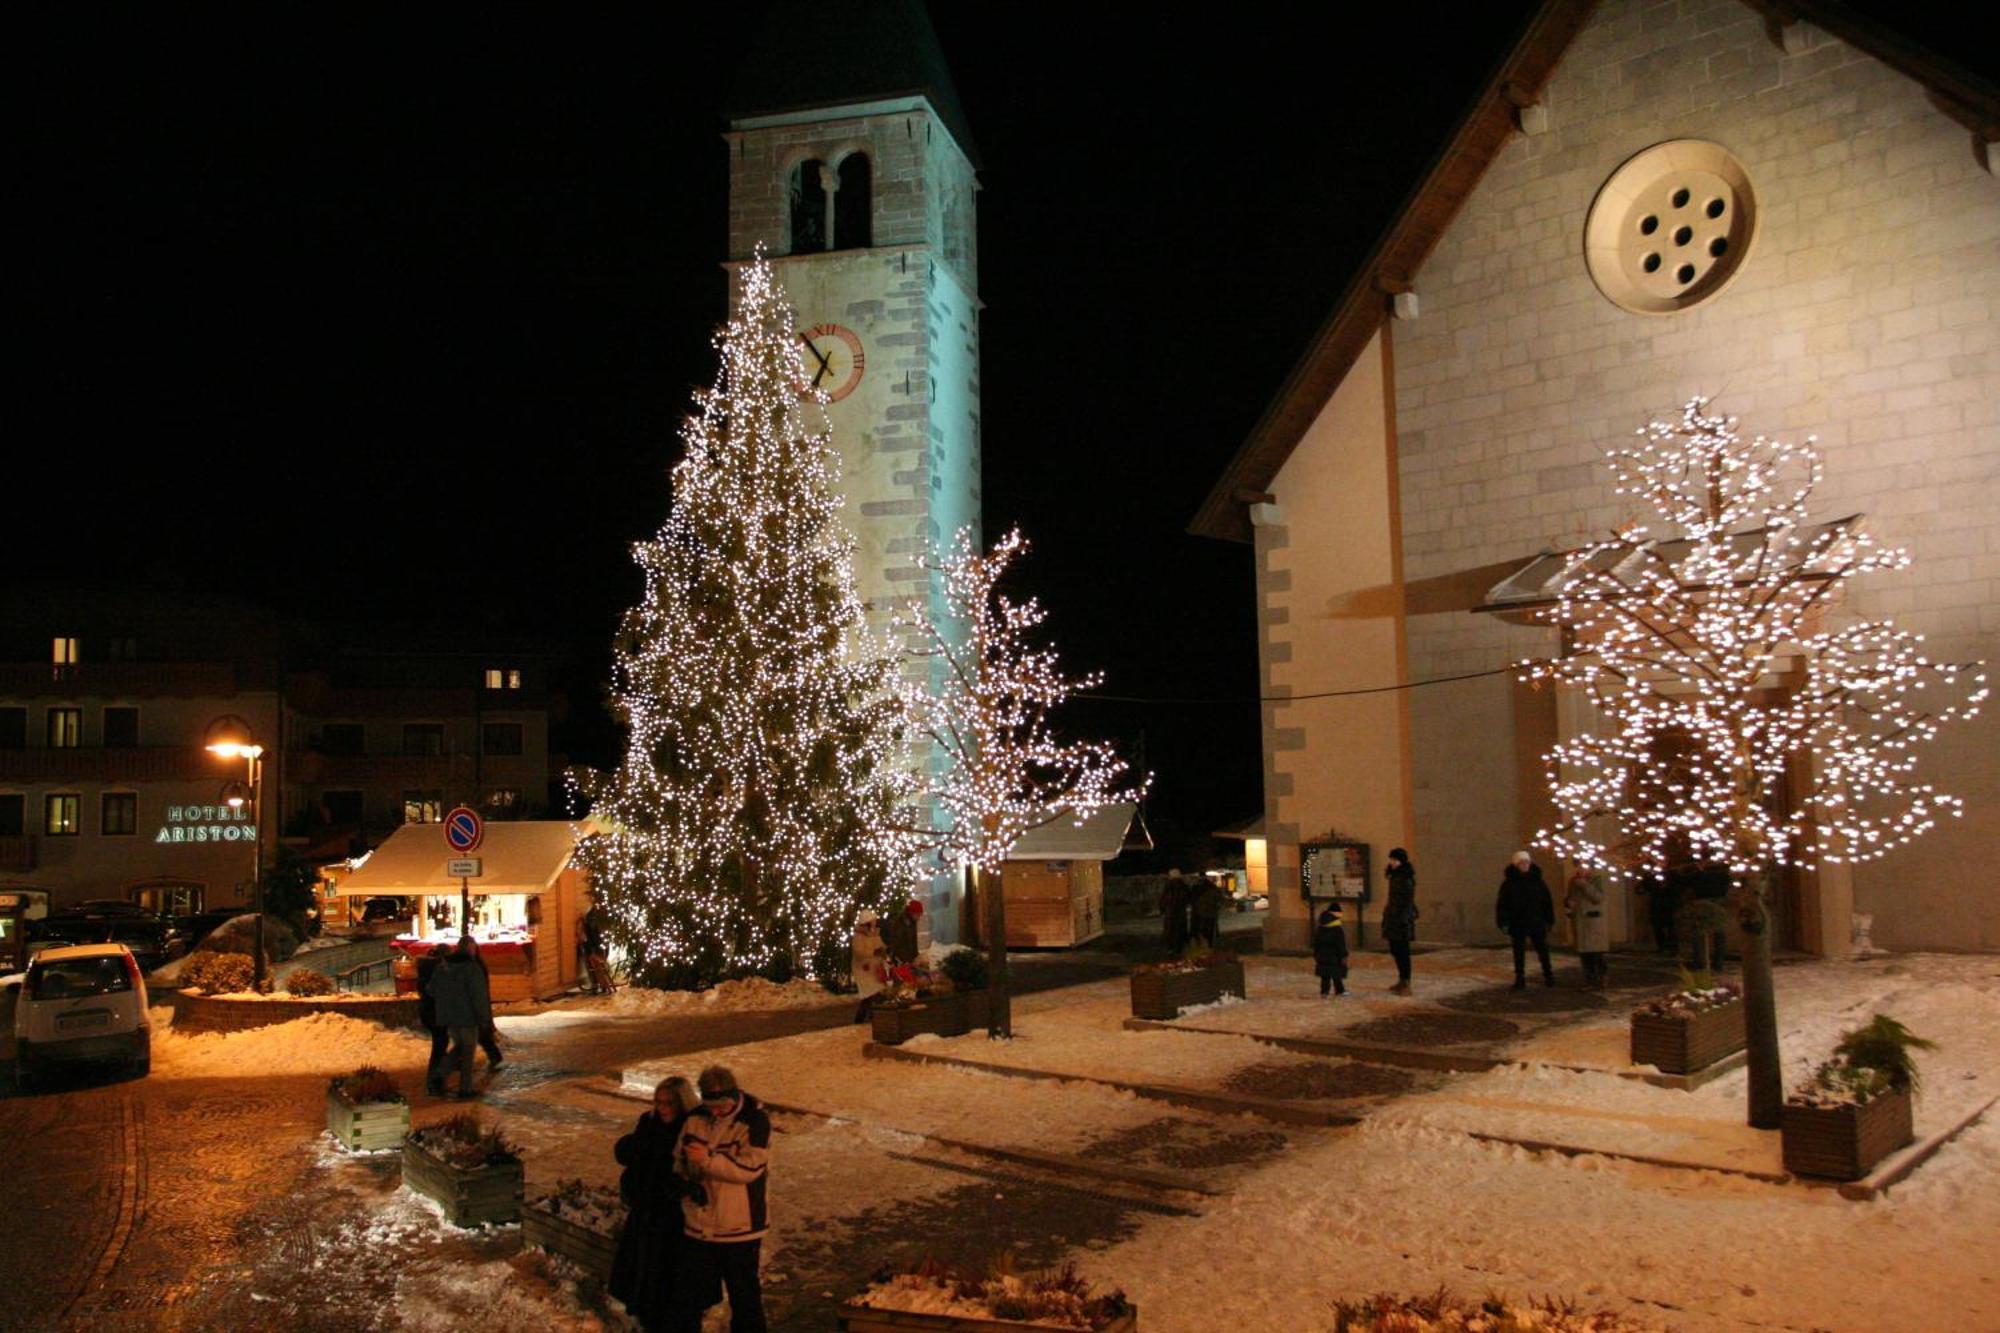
x=1399, y=930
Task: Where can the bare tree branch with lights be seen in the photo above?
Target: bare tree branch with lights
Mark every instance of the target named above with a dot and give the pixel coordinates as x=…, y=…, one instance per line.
x=753, y=812
x=1741, y=724
x=1006, y=770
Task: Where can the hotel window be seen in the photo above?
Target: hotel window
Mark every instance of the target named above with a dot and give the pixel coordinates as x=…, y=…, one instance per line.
x=13, y=728
x=342, y=738
x=342, y=807
x=64, y=653
x=59, y=815
x=501, y=738
x=65, y=728
x=121, y=649
x=120, y=814
x=13, y=815
x=121, y=728
x=423, y=738
x=503, y=678
x=423, y=807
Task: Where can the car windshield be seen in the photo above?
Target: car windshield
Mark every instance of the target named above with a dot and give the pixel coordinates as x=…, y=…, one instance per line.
x=71, y=978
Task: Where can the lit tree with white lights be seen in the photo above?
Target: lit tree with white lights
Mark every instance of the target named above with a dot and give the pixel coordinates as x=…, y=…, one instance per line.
x=1740, y=723
x=746, y=823
x=1006, y=770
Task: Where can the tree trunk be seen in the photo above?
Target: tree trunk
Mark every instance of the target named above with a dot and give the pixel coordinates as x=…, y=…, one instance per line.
x=999, y=1010
x=1760, y=1008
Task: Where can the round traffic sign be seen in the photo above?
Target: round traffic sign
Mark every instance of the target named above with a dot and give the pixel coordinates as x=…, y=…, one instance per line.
x=464, y=829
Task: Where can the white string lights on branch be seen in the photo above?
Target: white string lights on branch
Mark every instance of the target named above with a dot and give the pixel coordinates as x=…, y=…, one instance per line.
x=1722, y=680
x=1007, y=771
x=753, y=811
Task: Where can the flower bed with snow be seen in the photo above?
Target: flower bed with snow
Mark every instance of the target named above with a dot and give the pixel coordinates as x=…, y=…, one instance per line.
x=936, y=1296
x=1161, y=990
x=472, y=1173
x=1688, y=1030
x=366, y=1111
x=577, y=1221
x=1439, y=1313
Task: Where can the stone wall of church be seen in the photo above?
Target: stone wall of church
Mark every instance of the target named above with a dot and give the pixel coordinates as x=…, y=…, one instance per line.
x=1865, y=313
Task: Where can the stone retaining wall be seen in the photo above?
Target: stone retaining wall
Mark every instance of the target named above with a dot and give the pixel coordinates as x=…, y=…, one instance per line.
x=221, y=1013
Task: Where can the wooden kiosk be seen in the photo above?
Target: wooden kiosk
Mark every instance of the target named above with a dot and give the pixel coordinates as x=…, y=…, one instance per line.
x=1054, y=878
x=524, y=905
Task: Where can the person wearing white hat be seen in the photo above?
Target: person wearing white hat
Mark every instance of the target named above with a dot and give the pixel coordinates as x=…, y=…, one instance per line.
x=869, y=962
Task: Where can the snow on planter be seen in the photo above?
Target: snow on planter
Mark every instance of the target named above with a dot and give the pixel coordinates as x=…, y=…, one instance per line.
x=579, y=1222
x=1688, y=1030
x=939, y=1296
x=473, y=1174
x=366, y=1111
x=1857, y=1107
x=1162, y=990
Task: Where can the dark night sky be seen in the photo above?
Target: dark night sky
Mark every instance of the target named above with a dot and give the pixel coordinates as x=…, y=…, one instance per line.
x=331, y=314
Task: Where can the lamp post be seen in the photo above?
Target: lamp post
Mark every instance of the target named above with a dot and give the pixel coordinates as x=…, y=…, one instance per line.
x=231, y=738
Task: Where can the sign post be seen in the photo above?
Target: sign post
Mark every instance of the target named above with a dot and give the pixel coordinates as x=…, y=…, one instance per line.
x=464, y=830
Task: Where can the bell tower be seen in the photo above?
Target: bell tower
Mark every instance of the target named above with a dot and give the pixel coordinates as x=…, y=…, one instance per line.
x=851, y=164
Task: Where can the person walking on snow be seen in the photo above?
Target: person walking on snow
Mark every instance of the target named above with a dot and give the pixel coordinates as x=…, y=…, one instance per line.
x=1330, y=951
x=1205, y=912
x=1174, y=913
x=427, y=1014
x=1399, y=916
x=458, y=988
x=1583, y=899
x=649, y=1246
x=1525, y=909
x=724, y=1153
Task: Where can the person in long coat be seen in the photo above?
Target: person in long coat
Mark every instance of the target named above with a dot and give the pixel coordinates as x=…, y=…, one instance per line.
x=1584, y=901
x=649, y=1248
x=1525, y=909
x=1399, y=916
x=1330, y=951
x=868, y=963
x=1174, y=913
x=458, y=987
x=427, y=1014
x=1663, y=905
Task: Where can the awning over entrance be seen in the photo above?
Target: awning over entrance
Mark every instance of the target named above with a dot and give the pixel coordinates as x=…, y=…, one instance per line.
x=1098, y=838
x=517, y=857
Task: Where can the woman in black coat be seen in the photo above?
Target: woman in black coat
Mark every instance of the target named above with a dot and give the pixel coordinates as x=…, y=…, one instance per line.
x=1399, y=916
x=1330, y=951
x=642, y=1273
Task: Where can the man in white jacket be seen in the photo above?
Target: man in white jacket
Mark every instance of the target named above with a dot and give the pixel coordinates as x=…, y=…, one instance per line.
x=724, y=1151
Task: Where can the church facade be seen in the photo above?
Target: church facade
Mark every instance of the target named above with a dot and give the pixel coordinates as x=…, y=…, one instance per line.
x=1824, y=260
x=854, y=171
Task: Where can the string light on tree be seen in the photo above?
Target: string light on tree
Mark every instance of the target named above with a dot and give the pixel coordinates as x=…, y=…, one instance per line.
x=757, y=804
x=1741, y=724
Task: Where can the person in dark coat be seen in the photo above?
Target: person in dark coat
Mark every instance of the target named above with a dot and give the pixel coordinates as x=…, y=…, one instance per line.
x=1399, y=916
x=427, y=967
x=1663, y=904
x=458, y=988
x=1174, y=913
x=1525, y=909
x=1205, y=911
x=489, y=1035
x=649, y=1248
x=1707, y=896
x=1330, y=951
x=899, y=932
x=595, y=961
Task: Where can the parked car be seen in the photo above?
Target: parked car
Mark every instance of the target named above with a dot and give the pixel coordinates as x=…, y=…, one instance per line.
x=192, y=929
x=150, y=938
x=76, y=1003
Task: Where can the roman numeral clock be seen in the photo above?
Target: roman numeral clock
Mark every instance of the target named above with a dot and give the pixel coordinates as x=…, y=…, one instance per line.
x=835, y=359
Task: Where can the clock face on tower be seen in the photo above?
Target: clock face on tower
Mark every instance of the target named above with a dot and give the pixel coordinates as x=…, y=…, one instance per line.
x=834, y=359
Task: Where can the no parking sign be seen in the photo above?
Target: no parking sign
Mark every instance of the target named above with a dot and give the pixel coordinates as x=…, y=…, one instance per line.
x=464, y=829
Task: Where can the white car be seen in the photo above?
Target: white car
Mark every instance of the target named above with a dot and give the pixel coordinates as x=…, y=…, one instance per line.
x=80, y=1002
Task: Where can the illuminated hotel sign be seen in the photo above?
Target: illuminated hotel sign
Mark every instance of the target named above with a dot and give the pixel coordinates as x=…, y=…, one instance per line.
x=207, y=823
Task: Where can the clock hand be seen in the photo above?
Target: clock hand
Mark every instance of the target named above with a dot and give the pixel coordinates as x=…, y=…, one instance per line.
x=823, y=366
x=820, y=374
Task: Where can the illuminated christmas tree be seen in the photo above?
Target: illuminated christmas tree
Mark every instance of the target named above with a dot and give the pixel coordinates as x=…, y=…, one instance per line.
x=1005, y=768
x=749, y=818
x=1744, y=721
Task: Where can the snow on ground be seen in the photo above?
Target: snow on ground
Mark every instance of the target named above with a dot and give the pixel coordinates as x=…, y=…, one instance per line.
x=748, y=995
x=317, y=1044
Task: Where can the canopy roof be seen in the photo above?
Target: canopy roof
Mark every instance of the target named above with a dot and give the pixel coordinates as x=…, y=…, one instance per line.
x=516, y=857
x=1099, y=838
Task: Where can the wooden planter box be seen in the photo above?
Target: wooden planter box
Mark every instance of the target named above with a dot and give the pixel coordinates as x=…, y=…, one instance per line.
x=1162, y=995
x=1683, y=1043
x=470, y=1197
x=863, y=1319
x=369, y=1126
x=1845, y=1142
x=589, y=1250
x=946, y=1015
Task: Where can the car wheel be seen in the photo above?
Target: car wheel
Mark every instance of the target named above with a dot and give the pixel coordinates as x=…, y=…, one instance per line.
x=142, y=1059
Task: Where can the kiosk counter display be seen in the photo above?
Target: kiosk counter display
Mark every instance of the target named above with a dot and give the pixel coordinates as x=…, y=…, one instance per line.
x=17, y=908
x=522, y=908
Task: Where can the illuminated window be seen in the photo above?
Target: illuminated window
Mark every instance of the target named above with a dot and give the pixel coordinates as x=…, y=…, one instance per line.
x=423, y=807
x=13, y=728
x=808, y=199
x=502, y=801
x=423, y=738
x=501, y=738
x=65, y=652
x=59, y=815
x=121, y=728
x=120, y=814
x=503, y=678
x=853, y=222
x=65, y=728
x=13, y=815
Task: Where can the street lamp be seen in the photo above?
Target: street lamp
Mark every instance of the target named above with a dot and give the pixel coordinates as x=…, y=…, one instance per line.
x=231, y=738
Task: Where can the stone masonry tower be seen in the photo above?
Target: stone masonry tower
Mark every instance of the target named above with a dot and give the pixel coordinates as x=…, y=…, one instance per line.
x=851, y=164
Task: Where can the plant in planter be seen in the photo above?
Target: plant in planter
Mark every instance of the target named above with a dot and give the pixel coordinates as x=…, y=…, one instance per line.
x=579, y=1222
x=366, y=1110
x=1202, y=976
x=936, y=1295
x=473, y=1173
x=306, y=982
x=217, y=973
x=1441, y=1312
x=1856, y=1108
x=1691, y=1028
x=916, y=1000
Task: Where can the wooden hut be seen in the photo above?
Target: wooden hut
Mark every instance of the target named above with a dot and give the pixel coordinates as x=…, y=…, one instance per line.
x=523, y=907
x=1054, y=878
